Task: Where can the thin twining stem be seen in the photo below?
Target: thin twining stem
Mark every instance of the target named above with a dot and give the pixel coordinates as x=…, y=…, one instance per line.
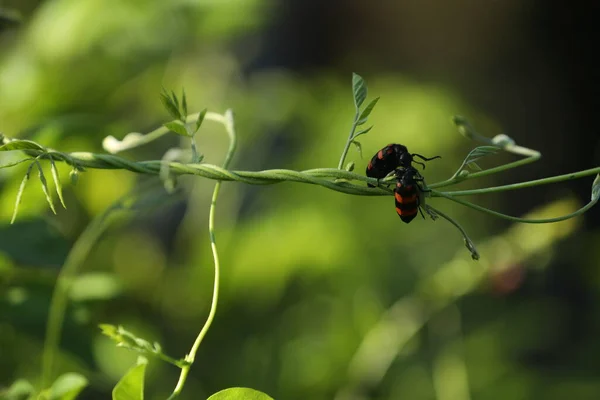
x=191, y=356
x=522, y=185
x=524, y=220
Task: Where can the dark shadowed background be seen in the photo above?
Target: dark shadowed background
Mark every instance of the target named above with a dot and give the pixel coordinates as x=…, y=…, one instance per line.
x=324, y=295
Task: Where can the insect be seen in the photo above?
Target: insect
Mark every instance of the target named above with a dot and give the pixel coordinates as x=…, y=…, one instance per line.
x=391, y=157
x=407, y=193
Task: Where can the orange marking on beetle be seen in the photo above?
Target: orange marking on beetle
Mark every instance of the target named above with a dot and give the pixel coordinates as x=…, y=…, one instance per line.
x=406, y=213
x=405, y=200
x=380, y=154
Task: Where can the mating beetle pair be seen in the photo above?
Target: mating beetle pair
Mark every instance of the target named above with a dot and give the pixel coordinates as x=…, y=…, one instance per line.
x=395, y=157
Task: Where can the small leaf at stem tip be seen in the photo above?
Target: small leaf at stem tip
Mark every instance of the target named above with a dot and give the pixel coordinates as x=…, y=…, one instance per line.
x=240, y=393
x=169, y=105
x=481, y=151
x=20, y=193
x=177, y=127
x=359, y=89
x=596, y=189
x=350, y=166
x=57, y=182
x=183, y=104
x=108, y=330
x=367, y=111
x=358, y=147
x=45, y=186
x=200, y=119
x=357, y=134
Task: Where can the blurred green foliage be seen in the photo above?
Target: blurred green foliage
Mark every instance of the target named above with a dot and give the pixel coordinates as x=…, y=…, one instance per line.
x=324, y=295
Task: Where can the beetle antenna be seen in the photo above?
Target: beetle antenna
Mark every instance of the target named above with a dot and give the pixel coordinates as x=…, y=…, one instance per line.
x=425, y=158
x=420, y=163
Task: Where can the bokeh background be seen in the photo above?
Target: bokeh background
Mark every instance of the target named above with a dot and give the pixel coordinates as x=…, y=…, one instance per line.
x=324, y=295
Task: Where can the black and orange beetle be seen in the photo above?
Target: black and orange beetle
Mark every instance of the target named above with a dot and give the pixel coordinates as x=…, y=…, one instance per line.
x=407, y=193
x=391, y=157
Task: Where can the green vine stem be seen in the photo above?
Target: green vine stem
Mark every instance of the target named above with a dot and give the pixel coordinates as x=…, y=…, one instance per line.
x=522, y=185
x=351, y=137
x=583, y=209
x=319, y=176
x=190, y=357
x=325, y=177
x=468, y=242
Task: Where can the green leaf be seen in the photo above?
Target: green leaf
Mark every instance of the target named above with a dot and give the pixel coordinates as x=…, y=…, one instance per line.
x=176, y=102
x=350, y=166
x=67, y=387
x=21, y=145
x=200, y=119
x=358, y=147
x=596, y=189
x=359, y=89
x=131, y=386
x=171, y=107
x=20, y=193
x=45, y=186
x=124, y=338
x=476, y=154
x=184, y=109
x=357, y=134
x=367, y=111
x=57, y=182
x=12, y=164
x=239, y=393
x=178, y=127
x=20, y=389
